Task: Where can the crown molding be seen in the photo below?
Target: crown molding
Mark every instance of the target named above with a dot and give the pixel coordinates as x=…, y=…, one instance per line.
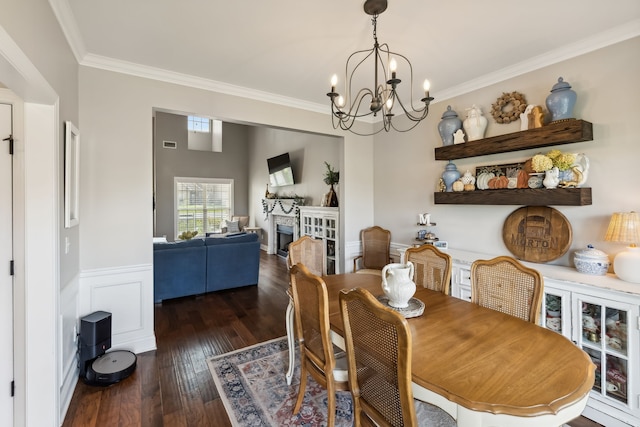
x=581, y=47
x=67, y=21
x=125, y=67
x=70, y=29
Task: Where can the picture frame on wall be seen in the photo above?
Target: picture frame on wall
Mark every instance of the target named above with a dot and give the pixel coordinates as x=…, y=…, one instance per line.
x=71, y=175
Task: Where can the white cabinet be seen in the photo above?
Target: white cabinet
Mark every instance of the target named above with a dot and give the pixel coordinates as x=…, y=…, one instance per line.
x=323, y=223
x=601, y=315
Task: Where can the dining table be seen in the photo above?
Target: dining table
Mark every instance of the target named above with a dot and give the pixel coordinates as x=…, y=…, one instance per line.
x=483, y=367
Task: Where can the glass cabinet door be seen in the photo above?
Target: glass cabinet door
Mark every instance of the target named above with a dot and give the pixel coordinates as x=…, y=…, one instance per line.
x=330, y=242
x=307, y=225
x=556, y=311
x=317, y=227
x=603, y=336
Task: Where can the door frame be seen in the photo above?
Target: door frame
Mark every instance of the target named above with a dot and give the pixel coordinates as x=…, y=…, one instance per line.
x=36, y=237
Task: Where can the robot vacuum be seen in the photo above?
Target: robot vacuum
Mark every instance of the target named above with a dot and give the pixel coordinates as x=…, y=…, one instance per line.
x=97, y=367
x=110, y=368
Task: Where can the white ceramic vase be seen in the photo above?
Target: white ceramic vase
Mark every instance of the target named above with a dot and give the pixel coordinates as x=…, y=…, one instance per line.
x=475, y=124
x=398, y=284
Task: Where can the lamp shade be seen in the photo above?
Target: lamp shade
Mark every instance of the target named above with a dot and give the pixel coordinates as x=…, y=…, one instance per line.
x=624, y=227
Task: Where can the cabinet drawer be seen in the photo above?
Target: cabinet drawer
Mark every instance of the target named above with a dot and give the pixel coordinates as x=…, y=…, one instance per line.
x=464, y=276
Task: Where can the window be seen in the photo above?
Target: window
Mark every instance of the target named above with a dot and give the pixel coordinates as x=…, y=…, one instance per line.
x=198, y=124
x=202, y=204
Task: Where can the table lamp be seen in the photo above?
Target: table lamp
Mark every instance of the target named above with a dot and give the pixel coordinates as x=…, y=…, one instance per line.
x=624, y=227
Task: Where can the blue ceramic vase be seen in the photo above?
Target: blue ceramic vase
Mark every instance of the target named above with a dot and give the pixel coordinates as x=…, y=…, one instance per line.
x=450, y=175
x=561, y=101
x=449, y=124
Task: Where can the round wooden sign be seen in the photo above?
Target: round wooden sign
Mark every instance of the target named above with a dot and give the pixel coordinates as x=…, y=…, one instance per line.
x=537, y=233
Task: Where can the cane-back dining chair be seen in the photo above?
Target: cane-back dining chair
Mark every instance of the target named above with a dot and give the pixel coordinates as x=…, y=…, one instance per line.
x=505, y=285
x=378, y=342
x=376, y=250
x=318, y=357
x=308, y=251
x=432, y=267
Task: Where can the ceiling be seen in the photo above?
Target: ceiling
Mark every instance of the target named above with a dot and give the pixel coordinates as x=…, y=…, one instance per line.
x=287, y=50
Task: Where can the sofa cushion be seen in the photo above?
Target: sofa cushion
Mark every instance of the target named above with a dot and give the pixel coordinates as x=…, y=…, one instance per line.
x=236, y=238
x=179, y=244
x=232, y=262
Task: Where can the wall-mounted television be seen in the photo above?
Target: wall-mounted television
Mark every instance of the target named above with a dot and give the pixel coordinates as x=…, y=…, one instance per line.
x=280, y=171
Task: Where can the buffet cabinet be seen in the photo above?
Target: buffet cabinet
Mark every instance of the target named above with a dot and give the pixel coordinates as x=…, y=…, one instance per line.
x=323, y=223
x=601, y=315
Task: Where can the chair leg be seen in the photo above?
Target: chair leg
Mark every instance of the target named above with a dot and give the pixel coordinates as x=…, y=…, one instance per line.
x=331, y=405
x=301, y=390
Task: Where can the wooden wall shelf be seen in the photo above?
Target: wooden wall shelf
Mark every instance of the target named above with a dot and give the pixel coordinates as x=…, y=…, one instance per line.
x=563, y=132
x=524, y=196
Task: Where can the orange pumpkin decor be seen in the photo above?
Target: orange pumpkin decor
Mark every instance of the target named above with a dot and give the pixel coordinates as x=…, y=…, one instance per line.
x=498, y=182
x=523, y=179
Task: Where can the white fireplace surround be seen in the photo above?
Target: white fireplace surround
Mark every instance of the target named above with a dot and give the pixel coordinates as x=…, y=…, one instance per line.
x=280, y=212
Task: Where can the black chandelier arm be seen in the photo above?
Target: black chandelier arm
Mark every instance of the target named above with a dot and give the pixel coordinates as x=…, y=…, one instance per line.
x=354, y=107
x=422, y=112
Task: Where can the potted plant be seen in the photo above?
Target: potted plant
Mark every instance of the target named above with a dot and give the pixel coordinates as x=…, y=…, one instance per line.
x=331, y=177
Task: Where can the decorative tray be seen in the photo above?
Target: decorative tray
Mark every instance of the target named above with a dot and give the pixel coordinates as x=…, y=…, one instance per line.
x=414, y=309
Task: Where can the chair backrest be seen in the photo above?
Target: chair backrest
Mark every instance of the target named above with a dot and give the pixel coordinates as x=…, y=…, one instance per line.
x=378, y=343
x=243, y=221
x=376, y=247
x=505, y=285
x=432, y=267
x=311, y=308
x=307, y=251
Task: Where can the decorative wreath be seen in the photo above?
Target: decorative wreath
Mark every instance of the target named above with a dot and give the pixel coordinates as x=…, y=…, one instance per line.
x=515, y=100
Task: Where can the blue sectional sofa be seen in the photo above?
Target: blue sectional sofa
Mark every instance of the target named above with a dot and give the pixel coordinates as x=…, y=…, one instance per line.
x=197, y=266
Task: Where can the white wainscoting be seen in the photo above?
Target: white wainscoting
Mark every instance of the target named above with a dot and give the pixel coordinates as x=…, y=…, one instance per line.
x=126, y=293
x=67, y=341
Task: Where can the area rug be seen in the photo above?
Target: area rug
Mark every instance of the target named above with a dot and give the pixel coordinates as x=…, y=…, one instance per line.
x=251, y=382
x=252, y=385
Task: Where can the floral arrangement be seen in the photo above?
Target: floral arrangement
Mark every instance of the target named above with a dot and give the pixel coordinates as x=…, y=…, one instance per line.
x=188, y=235
x=541, y=163
x=554, y=158
x=562, y=161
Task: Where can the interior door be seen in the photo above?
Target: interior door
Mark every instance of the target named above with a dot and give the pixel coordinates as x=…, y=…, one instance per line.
x=6, y=279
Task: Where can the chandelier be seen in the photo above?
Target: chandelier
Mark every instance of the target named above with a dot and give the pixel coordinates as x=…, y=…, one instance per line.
x=384, y=96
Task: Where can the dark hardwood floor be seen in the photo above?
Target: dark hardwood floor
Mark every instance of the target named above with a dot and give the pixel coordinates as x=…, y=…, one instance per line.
x=172, y=386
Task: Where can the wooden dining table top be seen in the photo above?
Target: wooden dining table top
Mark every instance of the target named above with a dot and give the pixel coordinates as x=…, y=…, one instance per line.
x=483, y=359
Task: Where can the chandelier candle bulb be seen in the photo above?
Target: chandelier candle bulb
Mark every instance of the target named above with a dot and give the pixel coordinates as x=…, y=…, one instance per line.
x=426, y=85
x=334, y=82
x=393, y=66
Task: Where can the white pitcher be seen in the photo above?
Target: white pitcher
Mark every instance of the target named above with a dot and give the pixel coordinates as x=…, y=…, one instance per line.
x=397, y=284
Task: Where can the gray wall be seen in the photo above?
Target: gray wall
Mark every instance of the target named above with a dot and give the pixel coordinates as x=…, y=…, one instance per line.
x=308, y=152
x=230, y=163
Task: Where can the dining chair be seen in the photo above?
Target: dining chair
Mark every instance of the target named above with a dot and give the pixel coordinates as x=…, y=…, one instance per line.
x=308, y=251
x=378, y=342
x=504, y=284
x=318, y=357
x=376, y=250
x=432, y=267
